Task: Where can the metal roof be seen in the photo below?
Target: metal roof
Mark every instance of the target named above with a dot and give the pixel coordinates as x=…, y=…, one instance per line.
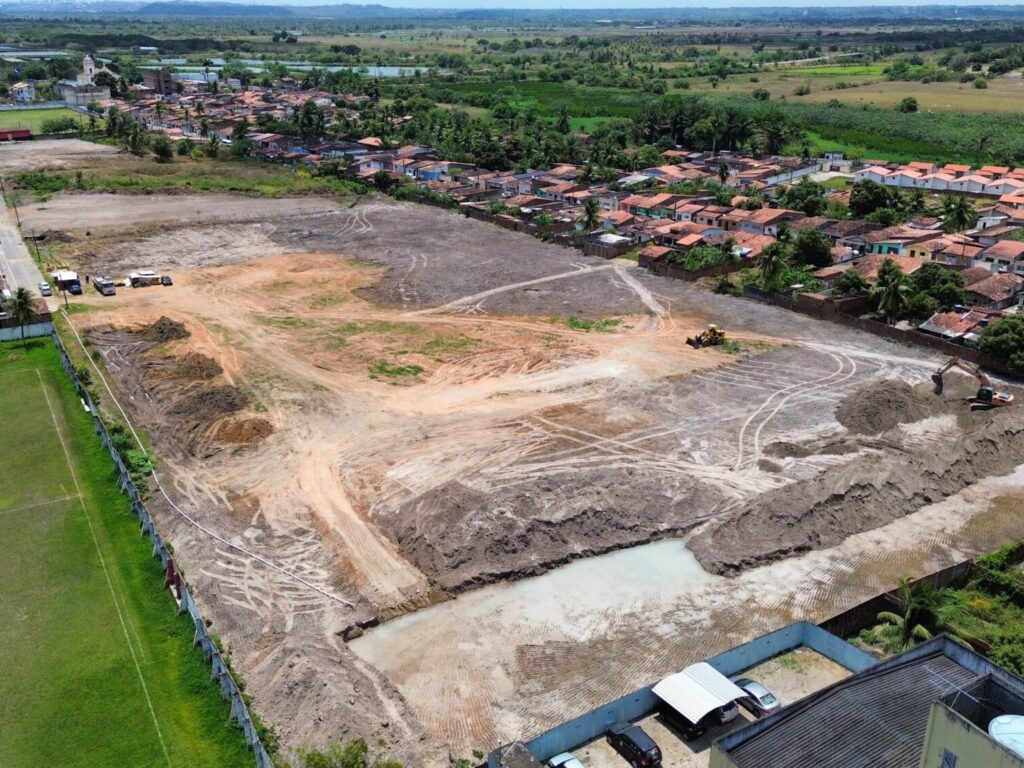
x=875, y=718
x=697, y=690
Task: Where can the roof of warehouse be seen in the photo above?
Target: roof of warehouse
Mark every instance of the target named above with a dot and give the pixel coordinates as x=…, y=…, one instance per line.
x=697, y=690
x=875, y=718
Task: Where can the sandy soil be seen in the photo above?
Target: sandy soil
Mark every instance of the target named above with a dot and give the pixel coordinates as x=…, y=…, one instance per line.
x=74, y=212
x=56, y=155
x=391, y=403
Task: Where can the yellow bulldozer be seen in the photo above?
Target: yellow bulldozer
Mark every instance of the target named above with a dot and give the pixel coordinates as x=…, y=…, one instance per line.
x=986, y=398
x=712, y=337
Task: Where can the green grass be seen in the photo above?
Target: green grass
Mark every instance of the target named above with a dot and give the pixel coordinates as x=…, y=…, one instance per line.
x=604, y=325
x=73, y=568
x=248, y=176
x=440, y=346
x=34, y=118
x=394, y=371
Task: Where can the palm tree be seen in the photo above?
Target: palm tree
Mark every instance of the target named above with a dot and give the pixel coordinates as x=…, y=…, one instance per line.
x=22, y=308
x=892, y=297
x=562, y=124
x=957, y=214
x=772, y=264
x=185, y=114
x=590, y=220
x=723, y=172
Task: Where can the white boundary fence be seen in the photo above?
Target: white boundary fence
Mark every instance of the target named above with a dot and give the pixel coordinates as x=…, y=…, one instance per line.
x=228, y=688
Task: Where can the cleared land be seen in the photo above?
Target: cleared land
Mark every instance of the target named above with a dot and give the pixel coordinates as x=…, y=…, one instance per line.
x=97, y=669
x=397, y=405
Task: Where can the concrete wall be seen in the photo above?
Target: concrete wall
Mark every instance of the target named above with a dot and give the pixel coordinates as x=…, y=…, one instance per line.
x=947, y=731
x=580, y=730
x=32, y=330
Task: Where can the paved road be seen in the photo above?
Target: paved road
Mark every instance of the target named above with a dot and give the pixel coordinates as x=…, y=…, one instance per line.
x=15, y=261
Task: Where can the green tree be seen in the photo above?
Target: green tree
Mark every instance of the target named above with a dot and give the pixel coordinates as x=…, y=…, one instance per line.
x=867, y=197
x=163, y=149
x=1004, y=341
x=883, y=216
x=957, y=213
x=812, y=248
x=773, y=263
x=945, y=286
x=22, y=308
x=241, y=144
x=850, y=282
x=562, y=124
x=212, y=148
x=310, y=121
x=907, y=105
x=723, y=172
x=590, y=218
x=807, y=196
x=891, y=292
x=382, y=181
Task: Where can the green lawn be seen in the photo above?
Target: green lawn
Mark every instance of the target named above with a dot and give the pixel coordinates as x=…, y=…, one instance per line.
x=96, y=669
x=33, y=118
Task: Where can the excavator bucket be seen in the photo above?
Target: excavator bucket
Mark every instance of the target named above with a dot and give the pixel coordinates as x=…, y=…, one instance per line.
x=937, y=380
x=693, y=342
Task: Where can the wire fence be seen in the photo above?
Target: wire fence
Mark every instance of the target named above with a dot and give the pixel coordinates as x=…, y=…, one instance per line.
x=220, y=673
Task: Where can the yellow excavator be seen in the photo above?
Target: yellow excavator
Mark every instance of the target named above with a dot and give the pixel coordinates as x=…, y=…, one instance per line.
x=712, y=337
x=986, y=398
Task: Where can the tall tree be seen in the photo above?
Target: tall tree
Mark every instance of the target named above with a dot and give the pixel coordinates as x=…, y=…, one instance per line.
x=957, y=213
x=562, y=124
x=891, y=292
x=772, y=264
x=22, y=308
x=590, y=218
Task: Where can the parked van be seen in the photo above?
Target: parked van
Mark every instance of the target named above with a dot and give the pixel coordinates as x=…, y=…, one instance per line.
x=105, y=286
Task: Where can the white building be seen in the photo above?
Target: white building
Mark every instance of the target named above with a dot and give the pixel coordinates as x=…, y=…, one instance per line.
x=23, y=92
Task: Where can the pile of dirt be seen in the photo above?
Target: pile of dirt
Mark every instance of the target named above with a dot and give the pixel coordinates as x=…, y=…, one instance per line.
x=197, y=367
x=244, y=431
x=868, y=492
x=533, y=530
x=882, y=406
x=164, y=330
x=208, y=404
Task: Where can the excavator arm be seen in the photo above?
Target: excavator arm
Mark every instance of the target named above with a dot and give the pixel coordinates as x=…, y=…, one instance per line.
x=968, y=368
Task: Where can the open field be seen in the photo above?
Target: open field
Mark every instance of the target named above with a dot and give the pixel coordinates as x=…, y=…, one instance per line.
x=34, y=118
x=57, y=155
x=97, y=668
x=402, y=408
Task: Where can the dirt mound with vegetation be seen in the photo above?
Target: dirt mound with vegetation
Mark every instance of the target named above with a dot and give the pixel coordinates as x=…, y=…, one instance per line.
x=882, y=406
x=870, y=490
x=244, y=431
x=164, y=330
x=209, y=404
x=197, y=367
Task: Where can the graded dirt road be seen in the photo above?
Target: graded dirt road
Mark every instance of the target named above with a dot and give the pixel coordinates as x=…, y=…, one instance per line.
x=393, y=405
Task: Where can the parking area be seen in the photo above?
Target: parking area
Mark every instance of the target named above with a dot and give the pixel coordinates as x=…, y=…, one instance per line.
x=790, y=676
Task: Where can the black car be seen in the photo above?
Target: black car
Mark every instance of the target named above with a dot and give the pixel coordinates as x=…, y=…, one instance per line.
x=690, y=731
x=633, y=743
x=166, y=280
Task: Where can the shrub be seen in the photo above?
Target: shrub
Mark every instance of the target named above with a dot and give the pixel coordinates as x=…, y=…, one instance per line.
x=980, y=82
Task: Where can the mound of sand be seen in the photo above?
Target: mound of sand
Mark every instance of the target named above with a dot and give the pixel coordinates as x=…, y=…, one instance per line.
x=244, y=431
x=197, y=367
x=164, y=330
x=208, y=404
x=882, y=406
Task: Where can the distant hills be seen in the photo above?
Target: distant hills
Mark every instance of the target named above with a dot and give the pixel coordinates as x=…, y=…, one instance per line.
x=167, y=9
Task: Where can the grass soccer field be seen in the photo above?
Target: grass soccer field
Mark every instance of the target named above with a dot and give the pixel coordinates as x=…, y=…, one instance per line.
x=96, y=668
x=34, y=118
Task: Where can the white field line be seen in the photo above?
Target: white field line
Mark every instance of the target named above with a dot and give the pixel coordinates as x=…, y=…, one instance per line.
x=182, y=512
x=37, y=505
x=106, y=572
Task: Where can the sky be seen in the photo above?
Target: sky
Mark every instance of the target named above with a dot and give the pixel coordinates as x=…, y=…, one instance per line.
x=639, y=4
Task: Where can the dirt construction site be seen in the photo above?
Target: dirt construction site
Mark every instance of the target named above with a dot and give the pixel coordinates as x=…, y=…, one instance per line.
x=396, y=415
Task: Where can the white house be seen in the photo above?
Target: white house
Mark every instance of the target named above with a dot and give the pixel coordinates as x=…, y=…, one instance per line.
x=23, y=92
x=875, y=173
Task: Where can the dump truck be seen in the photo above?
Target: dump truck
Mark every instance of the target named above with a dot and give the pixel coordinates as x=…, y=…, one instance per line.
x=105, y=286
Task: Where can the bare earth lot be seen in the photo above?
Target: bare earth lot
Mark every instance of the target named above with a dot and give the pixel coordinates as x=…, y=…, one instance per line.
x=390, y=403
x=55, y=155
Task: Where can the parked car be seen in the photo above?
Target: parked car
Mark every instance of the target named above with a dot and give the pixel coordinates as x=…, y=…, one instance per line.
x=166, y=280
x=759, y=700
x=565, y=760
x=690, y=731
x=45, y=290
x=633, y=743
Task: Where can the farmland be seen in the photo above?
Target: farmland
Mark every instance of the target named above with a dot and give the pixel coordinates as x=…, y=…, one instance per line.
x=97, y=667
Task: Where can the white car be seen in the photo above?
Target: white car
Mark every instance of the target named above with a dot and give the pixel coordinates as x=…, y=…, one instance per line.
x=565, y=760
x=45, y=290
